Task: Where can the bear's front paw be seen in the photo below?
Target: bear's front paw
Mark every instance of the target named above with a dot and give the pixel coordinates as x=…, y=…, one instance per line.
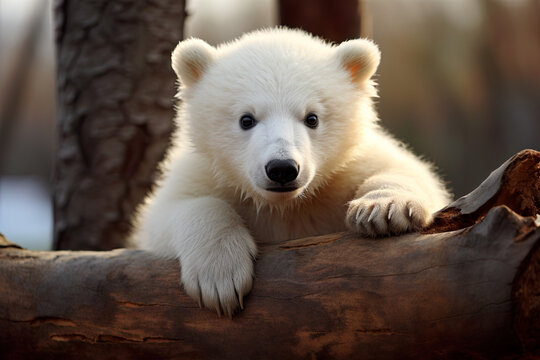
x=386, y=215
x=218, y=276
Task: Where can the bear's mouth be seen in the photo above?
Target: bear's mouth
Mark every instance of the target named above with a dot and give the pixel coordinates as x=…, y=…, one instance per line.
x=282, y=189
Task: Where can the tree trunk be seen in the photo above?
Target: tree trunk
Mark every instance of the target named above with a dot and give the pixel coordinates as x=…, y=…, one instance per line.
x=115, y=111
x=473, y=292
x=336, y=21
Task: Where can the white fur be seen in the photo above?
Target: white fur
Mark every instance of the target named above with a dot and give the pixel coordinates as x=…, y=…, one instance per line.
x=211, y=204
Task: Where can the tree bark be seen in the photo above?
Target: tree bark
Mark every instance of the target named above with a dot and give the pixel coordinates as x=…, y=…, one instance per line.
x=115, y=111
x=473, y=292
x=335, y=21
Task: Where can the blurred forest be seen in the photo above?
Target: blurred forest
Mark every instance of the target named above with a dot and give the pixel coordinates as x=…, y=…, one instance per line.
x=459, y=81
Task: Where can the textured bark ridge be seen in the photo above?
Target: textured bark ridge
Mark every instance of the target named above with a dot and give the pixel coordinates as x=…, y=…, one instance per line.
x=115, y=110
x=467, y=293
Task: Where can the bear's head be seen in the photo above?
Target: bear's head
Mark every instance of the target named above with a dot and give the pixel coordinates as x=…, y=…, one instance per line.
x=277, y=112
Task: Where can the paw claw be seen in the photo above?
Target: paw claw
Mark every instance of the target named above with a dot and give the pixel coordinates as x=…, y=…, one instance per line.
x=199, y=298
x=218, y=277
x=359, y=212
x=218, y=302
x=391, y=211
x=386, y=215
x=239, y=297
x=374, y=213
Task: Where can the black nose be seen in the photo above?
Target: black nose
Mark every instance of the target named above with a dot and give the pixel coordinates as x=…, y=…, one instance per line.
x=282, y=171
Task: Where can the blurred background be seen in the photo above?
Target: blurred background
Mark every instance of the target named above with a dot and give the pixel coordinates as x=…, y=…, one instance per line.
x=459, y=81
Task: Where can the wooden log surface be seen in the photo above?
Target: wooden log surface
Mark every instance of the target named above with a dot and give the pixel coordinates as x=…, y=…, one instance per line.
x=473, y=292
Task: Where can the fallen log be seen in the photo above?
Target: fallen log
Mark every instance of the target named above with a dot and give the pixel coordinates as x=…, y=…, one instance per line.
x=473, y=292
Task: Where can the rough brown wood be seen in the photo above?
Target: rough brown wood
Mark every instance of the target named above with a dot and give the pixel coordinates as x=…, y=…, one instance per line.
x=335, y=21
x=516, y=184
x=468, y=293
x=526, y=295
x=5, y=243
x=438, y=295
x=115, y=110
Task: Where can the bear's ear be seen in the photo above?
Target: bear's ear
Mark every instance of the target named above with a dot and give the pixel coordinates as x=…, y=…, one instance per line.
x=190, y=59
x=360, y=57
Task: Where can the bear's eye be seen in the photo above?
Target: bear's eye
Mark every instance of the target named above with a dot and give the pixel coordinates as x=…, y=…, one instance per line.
x=247, y=121
x=311, y=121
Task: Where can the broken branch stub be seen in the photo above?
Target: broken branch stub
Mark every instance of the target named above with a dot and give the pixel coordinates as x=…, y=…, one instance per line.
x=516, y=184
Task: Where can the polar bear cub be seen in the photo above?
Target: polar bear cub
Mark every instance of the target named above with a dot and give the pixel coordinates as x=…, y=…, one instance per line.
x=277, y=139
